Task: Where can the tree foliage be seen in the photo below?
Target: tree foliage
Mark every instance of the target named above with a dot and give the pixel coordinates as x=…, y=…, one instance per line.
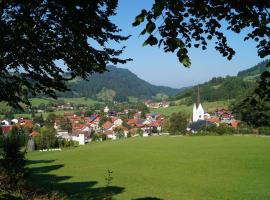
x=193, y=23
x=35, y=34
x=12, y=162
x=255, y=108
x=177, y=123
x=46, y=139
x=106, y=95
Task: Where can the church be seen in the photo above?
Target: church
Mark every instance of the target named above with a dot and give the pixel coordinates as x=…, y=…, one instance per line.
x=198, y=112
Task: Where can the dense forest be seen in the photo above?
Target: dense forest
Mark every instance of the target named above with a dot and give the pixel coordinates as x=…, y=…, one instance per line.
x=226, y=88
x=121, y=81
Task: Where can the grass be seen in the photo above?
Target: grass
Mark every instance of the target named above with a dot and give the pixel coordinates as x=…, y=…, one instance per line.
x=45, y=114
x=221, y=167
x=208, y=107
x=172, y=109
x=80, y=100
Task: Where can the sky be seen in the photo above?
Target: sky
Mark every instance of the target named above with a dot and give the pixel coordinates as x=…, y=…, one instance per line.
x=159, y=68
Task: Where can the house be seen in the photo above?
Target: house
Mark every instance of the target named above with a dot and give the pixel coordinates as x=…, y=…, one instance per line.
x=155, y=105
x=196, y=126
x=14, y=121
x=117, y=121
x=110, y=134
x=6, y=128
x=106, y=109
x=79, y=138
x=107, y=125
x=5, y=122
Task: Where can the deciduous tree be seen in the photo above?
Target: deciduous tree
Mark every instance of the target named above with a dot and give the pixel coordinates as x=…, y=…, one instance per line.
x=35, y=34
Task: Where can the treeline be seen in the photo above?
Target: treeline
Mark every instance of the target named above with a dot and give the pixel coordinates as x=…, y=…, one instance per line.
x=219, y=89
x=225, y=88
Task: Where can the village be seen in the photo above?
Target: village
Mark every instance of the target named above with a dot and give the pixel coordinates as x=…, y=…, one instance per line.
x=108, y=124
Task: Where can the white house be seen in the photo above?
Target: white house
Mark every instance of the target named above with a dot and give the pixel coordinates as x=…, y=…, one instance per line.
x=15, y=121
x=80, y=138
x=117, y=122
x=5, y=122
x=106, y=109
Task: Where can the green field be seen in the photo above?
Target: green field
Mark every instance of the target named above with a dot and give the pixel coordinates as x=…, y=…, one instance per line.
x=81, y=100
x=221, y=167
x=208, y=107
x=45, y=114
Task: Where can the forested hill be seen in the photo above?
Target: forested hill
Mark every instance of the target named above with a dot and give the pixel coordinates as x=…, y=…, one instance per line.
x=225, y=88
x=254, y=71
x=122, y=81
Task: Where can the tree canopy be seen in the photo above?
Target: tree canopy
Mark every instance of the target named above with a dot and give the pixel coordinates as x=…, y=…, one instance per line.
x=35, y=34
x=193, y=23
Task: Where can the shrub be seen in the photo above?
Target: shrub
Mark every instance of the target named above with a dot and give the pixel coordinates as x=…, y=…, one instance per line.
x=222, y=129
x=12, y=163
x=265, y=130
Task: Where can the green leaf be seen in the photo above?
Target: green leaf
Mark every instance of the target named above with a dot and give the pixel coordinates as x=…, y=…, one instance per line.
x=150, y=27
x=150, y=40
x=186, y=61
x=143, y=32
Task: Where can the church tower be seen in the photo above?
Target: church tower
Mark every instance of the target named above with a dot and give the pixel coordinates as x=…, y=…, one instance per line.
x=198, y=112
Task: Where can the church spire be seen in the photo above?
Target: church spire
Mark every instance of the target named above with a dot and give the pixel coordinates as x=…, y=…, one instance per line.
x=198, y=100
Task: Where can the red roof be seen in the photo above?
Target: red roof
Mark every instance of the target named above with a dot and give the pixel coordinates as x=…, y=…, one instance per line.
x=234, y=123
x=132, y=121
x=114, y=119
x=107, y=125
x=120, y=127
x=6, y=129
x=155, y=123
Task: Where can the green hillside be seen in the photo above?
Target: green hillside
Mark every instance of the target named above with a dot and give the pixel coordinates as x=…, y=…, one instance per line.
x=122, y=81
x=224, y=167
x=225, y=88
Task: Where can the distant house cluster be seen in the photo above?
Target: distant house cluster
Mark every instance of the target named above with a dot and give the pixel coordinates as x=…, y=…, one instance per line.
x=200, y=118
x=84, y=128
x=154, y=105
x=7, y=124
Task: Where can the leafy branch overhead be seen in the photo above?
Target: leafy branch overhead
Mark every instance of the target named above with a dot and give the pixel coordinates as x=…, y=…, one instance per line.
x=35, y=34
x=193, y=23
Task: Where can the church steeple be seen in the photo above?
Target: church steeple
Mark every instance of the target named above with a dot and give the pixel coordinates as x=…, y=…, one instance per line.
x=198, y=112
x=198, y=99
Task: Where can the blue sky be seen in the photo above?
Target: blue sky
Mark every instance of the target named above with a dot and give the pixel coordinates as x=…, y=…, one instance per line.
x=159, y=68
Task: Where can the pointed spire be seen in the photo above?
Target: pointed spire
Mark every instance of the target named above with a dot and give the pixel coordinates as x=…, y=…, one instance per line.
x=198, y=100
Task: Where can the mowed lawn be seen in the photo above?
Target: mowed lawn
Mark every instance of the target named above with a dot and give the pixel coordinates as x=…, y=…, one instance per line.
x=217, y=167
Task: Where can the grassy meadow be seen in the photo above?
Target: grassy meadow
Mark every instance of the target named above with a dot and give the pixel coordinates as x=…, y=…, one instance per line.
x=208, y=107
x=79, y=100
x=221, y=167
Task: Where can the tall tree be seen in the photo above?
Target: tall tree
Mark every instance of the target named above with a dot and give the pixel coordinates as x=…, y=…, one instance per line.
x=35, y=34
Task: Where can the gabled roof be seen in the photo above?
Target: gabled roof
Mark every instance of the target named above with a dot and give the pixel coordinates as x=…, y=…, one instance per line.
x=107, y=125
x=155, y=123
x=120, y=127
x=6, y=128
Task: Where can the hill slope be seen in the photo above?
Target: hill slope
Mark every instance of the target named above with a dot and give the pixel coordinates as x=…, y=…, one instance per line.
x=225, y=88
x=122, y=81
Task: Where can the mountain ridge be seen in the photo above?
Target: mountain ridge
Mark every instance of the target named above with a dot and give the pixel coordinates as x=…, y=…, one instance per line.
x=124, y=82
